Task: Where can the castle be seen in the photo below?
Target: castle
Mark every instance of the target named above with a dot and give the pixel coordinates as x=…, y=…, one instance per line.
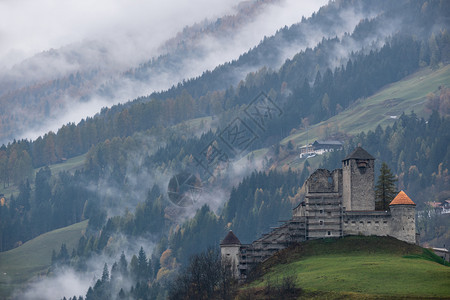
x=337, y=203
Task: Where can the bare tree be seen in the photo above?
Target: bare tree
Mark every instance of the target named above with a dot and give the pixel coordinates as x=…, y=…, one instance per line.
x=206, y=277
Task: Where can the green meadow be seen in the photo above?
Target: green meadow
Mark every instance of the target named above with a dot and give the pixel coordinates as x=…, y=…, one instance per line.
x=33, y=258
x=361, y=267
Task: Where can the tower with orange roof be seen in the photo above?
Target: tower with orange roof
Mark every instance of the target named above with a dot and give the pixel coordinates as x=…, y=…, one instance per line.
x=403, y=220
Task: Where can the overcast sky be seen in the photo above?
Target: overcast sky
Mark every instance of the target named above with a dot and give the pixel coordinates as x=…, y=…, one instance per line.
x=31, y=26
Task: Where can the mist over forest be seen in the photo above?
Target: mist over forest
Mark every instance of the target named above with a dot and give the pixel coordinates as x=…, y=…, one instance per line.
x=135, y=136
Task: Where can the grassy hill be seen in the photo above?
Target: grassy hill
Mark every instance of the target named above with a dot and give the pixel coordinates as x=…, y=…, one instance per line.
x=353, y=267
x=70, y=165
x=33, y=258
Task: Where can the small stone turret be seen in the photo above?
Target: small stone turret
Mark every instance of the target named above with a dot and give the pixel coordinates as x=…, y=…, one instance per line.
x=403, y=218
x=358, y=181
x=229, y=250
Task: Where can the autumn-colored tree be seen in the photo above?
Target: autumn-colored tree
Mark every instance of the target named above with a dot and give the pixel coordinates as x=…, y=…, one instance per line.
x=50, y=155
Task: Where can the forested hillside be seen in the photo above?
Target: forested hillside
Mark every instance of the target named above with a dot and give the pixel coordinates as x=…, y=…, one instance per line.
x=299, y=86
x=211, y=130
x=327, y=96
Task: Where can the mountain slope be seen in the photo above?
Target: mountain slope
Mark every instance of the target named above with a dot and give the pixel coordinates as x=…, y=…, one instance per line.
x=193, y=50
x=382, y=108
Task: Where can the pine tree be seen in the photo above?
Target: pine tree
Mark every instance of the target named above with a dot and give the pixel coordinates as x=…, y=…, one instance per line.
x=105, y=275
x=54, y=257
x=63, y=256
x=123, y=265
x=134, y=267
x=115, y=273
x=142, y=265
x=121, y=294
x=385, y=190
x=90, y=294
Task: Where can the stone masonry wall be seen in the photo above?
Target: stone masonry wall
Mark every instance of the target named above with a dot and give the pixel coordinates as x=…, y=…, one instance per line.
x=403, y=223
x=346, y=187
x=231, y=255
x=369, y=223
x=358, y=190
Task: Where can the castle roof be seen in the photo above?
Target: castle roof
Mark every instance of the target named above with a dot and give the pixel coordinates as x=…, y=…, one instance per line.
x=230, y=239
x=359, y=153
x=402, y=198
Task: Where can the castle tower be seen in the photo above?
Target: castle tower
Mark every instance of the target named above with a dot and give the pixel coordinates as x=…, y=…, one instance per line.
x=403, y=218
x=358, y=181
x=230, y=250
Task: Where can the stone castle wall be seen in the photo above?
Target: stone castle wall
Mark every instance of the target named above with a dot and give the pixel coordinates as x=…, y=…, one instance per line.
x=368, y=223
x=324, y=215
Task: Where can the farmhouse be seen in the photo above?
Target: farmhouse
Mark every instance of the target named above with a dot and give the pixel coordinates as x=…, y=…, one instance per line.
x=337, y=203
x=320, y=147
x=440, y=208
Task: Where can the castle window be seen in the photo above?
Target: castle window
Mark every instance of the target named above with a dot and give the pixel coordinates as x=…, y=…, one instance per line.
x=321, y=211
x=321, y=222
x=329, y=232
x=362, y=163
x=361, y=222
x=368, y=222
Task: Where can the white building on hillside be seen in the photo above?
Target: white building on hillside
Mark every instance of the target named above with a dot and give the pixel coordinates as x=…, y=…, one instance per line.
x=319, y=148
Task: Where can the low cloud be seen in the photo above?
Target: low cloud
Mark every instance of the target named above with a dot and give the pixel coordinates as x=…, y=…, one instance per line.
x=138, y=180
x=74, y=113
x=117, y=44
x=31, y=26
x=67, y=282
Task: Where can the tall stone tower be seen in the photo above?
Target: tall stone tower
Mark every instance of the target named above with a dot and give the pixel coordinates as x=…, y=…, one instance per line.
x=403, y=218
x=230, y=250
x=358, y=181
